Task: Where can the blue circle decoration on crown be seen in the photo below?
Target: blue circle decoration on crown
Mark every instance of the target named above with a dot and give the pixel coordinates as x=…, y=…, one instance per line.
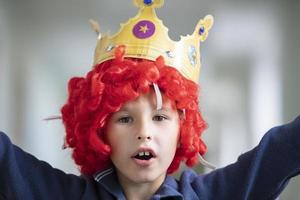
x=148, y=2
x=143, y=29
x=201, y=30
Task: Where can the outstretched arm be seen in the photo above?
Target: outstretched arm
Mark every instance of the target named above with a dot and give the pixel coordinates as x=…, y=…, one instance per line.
x=261, y=173
x=22, y=176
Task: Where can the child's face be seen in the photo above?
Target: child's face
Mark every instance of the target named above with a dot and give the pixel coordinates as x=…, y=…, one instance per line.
x=143, y=139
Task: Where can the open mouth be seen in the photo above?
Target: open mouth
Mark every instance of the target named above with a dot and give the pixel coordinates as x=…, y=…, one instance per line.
x=144, y=155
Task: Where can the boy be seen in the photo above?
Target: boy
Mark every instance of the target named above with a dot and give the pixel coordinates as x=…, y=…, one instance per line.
x=134, y=118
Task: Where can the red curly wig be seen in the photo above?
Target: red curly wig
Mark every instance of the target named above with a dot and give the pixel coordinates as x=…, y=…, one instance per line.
x=92, y=100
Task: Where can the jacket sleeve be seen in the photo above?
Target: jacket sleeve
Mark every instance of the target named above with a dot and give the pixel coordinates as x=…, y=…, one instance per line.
x=22, y=176
x=261, y=173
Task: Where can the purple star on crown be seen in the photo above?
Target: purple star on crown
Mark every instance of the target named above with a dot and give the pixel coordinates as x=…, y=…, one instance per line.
x=143, y=29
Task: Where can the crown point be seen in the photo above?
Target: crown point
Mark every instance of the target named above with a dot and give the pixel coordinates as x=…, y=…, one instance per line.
x=203, y=27
x=95, y=26
x=148, y=2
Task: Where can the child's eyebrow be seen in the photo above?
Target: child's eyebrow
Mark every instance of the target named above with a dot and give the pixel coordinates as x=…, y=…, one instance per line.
x=126, y=108
x=164, y=109
x=123, y=109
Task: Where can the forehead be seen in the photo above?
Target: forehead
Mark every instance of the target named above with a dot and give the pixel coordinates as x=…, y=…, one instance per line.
x=149, y=99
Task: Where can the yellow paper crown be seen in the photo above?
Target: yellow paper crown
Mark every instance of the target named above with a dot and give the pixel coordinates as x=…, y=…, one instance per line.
x=145, y=36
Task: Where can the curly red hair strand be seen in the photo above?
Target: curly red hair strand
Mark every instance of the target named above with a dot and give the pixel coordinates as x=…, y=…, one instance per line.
x=92, y=99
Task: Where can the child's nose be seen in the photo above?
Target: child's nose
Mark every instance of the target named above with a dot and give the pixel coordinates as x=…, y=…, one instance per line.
x=144, y=132
x=144, y=138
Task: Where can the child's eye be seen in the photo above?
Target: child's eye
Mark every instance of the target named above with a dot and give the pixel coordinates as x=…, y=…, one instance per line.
x=125, y=120
x=159, y=118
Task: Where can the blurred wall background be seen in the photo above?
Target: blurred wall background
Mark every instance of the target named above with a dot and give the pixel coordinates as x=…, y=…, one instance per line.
x=249, y=79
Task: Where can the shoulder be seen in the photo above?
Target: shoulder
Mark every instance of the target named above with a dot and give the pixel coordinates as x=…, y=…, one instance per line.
x=191, y=185
x=4, y=141
x=188, y=175
x=4, y=137
x=5, y=144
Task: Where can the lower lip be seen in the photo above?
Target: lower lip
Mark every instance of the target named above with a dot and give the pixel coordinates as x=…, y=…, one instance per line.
x=143, y=163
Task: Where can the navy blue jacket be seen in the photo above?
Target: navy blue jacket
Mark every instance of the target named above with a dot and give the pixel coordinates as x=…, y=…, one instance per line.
x=260, y=174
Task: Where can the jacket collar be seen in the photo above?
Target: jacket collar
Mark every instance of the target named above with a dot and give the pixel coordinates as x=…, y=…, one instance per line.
x=109, y=181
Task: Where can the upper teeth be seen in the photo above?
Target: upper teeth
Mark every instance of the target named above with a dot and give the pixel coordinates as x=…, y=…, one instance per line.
x=146, y=153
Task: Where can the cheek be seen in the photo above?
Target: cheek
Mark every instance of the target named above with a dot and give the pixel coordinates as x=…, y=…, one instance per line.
x=172, y=138
x=111, y=136
x=115, y=145
x=117, y=138
x=177, y=137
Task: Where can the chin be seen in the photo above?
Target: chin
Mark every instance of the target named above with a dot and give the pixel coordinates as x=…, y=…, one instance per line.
x=147, y=177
